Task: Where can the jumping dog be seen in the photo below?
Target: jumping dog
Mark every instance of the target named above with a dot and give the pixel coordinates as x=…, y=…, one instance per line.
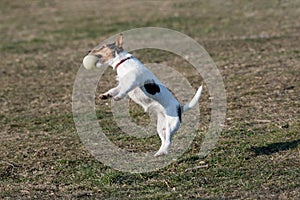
x=143, y=87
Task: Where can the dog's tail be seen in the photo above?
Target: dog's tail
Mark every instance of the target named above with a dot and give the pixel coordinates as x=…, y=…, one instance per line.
x=194, y=100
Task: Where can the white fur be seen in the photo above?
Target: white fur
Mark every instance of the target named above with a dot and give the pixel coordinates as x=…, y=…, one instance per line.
x=132, y=75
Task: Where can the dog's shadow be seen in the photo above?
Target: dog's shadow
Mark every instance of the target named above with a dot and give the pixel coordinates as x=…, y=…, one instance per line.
x=275, y=147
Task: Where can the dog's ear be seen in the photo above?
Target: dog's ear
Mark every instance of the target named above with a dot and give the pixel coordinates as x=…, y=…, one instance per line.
x=119, y=41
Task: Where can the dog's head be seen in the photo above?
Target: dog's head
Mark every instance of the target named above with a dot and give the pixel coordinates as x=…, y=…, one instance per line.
x=108, y=51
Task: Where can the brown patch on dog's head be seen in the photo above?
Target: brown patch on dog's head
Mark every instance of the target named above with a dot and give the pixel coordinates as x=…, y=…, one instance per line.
x=108, y=51
x=105, y=53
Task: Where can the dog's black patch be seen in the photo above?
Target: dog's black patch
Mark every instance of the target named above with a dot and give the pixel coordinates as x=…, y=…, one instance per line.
x=151, y=87
x=179, y=112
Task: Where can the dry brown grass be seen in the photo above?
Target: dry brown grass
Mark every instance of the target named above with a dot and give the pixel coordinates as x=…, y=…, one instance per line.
x=256, y=47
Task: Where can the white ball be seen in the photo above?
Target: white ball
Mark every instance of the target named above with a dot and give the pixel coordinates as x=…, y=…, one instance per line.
x=89, y=62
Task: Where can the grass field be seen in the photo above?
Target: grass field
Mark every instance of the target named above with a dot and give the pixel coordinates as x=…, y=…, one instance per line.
x=256, y=46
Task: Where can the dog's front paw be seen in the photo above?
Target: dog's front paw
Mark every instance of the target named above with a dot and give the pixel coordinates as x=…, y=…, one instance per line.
x=116, y=98
x=104, y=96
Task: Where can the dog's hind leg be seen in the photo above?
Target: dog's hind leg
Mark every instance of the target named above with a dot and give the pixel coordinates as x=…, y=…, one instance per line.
x=161, y=130
x=172, y=124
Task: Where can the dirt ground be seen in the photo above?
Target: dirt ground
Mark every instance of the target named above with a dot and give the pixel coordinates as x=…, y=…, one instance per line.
x=255, y=45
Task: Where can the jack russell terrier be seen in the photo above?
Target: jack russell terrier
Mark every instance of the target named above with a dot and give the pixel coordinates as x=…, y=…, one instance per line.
x=143, y=87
